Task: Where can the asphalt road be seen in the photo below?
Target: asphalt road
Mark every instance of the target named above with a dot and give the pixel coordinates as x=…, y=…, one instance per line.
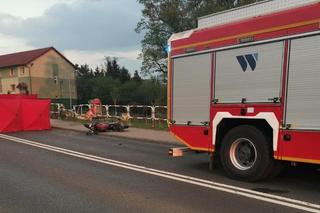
x=96, y=178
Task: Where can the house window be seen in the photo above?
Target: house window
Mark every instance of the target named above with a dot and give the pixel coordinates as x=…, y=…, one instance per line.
x=13, y=87
x=22, y=71
x=55, y=79
x=11, y=72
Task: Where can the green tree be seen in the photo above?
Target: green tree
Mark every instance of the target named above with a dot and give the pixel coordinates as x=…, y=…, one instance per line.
x=118, y=87
x=83, y=71
x=84, y=75
x=136, y=76
x=128, y=91
x=112, y=67
x=124, y=75
x=148, y=92
x=161, y=99
x=102, y=88
x=99, y=72
x=115, y=94
x=161, y=18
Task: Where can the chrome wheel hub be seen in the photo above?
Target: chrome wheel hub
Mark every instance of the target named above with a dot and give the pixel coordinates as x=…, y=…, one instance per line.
x=243, y=154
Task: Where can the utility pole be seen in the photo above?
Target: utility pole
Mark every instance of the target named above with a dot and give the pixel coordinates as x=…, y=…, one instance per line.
x=61, y=82
x=30, y=82
x=70, y=98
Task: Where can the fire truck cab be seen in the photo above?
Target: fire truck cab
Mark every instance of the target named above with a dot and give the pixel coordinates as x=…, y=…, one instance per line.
x=245, y=85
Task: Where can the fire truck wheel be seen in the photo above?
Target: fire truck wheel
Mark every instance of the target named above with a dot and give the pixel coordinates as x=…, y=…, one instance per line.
x=246, y=154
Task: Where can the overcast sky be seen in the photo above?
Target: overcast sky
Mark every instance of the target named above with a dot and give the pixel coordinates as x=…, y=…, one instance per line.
x=83, y=30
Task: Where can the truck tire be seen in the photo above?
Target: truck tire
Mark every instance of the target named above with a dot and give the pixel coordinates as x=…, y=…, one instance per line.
x=246, y=154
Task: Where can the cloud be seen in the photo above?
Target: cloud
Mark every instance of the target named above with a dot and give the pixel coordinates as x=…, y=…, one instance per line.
x=127, y=59
x=82, y=24
x=84, y=30
x=9, y=44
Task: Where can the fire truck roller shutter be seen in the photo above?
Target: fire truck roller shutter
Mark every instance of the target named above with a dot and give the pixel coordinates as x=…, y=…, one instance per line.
x=191, y=89
x=251, y=73
x=303, y=95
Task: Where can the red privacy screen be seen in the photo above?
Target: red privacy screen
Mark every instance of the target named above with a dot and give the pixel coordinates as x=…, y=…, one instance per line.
x=24, y=113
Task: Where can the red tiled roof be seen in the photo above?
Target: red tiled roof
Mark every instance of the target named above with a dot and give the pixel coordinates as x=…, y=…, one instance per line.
x=23, y=58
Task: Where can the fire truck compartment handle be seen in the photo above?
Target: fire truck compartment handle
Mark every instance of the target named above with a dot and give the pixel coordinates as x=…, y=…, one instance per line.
x=275, y=99
x=205, y=123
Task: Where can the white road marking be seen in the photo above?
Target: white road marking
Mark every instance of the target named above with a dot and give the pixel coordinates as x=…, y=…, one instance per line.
x=288, y=202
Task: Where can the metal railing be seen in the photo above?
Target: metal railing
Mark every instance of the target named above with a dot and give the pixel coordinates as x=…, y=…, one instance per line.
x=55, y=109
x=139, y=112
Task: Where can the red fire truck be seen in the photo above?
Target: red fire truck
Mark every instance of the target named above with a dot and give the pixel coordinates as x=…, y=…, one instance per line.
x=245, y=86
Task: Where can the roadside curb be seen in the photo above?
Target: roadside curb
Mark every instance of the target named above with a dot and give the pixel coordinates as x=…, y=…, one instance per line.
x=122, y=136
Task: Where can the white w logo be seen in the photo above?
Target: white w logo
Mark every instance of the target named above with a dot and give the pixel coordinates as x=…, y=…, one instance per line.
x=250, y=59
